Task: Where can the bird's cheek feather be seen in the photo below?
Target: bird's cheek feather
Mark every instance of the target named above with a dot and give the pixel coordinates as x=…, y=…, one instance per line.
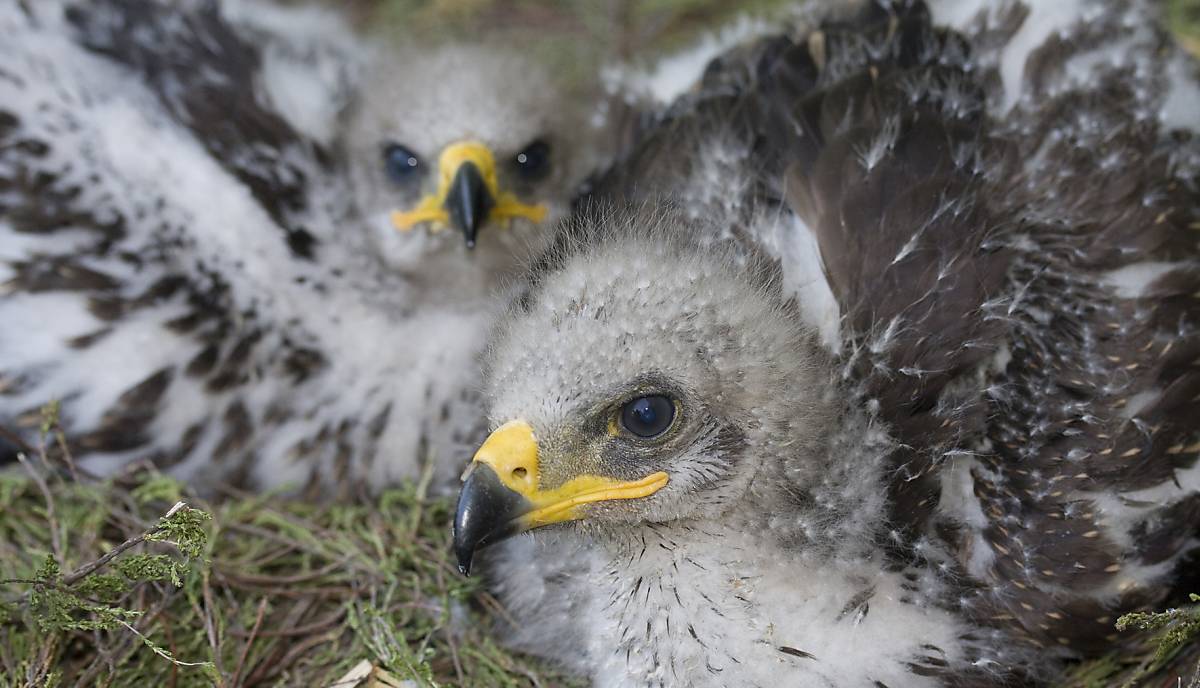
x=501, y=494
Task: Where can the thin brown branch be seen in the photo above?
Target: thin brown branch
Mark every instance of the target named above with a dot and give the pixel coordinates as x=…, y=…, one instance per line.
x=271, y=535
x=21, y=581
x=258, y=619
x=322, y=624
x=267, y=670
x=61, y=440
x=165, y=624
x=255, y=579
x=324, y=592
x=81, y=572
x=210, y=624
x=126, y=646
x=448, y=634
x=51, y=513
x=14, y=439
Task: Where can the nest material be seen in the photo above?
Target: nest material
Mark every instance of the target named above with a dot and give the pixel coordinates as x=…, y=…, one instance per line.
x=107, y=583
x=133, y=581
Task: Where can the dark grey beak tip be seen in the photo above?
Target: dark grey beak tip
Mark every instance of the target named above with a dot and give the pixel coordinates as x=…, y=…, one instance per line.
x=487, y=512
x=469, y=202
x=464, y=550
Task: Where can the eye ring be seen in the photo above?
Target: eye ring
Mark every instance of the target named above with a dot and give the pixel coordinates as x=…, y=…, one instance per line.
x=400, y=164
x=533, y=162
x=647, y=417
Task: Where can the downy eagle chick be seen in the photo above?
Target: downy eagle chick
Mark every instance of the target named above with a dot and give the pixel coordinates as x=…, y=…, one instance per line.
x=244, y=245
x=896, y=388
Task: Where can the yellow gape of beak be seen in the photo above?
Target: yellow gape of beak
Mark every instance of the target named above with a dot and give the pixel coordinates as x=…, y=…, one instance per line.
x=512, y=452
x=502, y=494
x=467, y=194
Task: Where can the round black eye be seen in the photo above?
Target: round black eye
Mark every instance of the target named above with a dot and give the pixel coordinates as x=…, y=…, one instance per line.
x=648, y=416
x=400, y=163
x=533, y=163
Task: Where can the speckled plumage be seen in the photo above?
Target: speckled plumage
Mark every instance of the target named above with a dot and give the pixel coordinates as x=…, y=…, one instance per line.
x=929, y=299
x=195, y=252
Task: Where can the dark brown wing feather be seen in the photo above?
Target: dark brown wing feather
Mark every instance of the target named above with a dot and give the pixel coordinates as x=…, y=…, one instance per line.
x=206, y=75
x=889, y=172
x=969, y=255
x=942, y=252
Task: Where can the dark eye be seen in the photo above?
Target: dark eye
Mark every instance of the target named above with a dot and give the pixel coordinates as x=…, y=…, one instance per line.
x=534, y=162
x=400, y=163
x=648, y=416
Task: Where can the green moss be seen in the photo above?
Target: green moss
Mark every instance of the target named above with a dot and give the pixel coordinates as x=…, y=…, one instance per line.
x=183, y=527
x=151, y=567
x=1172, y=628
x=1183, y=20
x=257, y=589
x=158, y=488
x=275, y=592
x=50, y=413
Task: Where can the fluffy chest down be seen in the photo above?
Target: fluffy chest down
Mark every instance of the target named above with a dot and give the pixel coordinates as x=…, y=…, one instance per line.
x=695, y=606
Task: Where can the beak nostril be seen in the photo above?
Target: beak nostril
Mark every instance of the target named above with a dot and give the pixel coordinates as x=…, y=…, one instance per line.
x=519, y=473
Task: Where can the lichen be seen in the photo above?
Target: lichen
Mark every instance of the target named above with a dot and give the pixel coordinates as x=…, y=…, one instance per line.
x=150, y=585
x=1172, y=628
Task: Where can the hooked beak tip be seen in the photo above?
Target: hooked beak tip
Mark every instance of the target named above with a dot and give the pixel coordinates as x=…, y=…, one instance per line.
x=487, y=512
x=469, y=201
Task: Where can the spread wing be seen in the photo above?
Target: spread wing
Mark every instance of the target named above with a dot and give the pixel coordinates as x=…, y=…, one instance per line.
x=869, y=131
x=889, y=171
x=1014, y=264
x=1018, y=297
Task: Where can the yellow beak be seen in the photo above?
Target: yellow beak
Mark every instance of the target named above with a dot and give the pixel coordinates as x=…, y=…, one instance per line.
x=467, y=195
x=502, y=494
